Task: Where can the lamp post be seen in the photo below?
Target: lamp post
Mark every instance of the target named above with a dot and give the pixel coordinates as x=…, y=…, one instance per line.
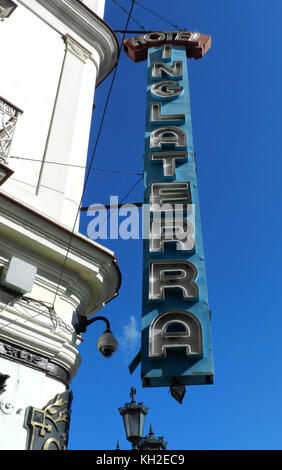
x=150, y=442
x=134, y=419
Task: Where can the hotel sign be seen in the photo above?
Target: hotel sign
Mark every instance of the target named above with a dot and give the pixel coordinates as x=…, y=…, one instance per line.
x=196, y=44
x=176, y=339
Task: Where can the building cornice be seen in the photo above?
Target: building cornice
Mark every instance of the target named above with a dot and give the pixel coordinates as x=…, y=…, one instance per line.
x=77, y=18
x=93, y=264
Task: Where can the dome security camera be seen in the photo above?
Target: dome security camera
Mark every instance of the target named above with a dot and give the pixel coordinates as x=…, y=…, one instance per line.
x=107, y=343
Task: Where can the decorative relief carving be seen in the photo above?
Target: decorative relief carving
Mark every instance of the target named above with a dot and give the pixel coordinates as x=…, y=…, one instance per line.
x=15, y=353
x=22, y=355
x=3, y=378
x=48, y=428
x=7, y=406
x=78, y=50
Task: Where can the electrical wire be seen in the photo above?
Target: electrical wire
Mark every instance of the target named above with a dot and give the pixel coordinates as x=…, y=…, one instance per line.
x=124, y=197
x=85, y=208
x=130, y=191
x=127, y=194
x=126, y=12
x=57, y=322
x=157, y=15
x=93, y=154
x=10, y=302
x=107, y=170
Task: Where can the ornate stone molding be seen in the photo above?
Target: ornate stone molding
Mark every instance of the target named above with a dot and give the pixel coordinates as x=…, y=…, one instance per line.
x=27, y=229
x=48, y=428
x=3, y=378
x=77, y=49
x=30, y=359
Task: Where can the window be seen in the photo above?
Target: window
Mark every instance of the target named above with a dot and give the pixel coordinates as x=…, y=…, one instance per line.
x=8, y=119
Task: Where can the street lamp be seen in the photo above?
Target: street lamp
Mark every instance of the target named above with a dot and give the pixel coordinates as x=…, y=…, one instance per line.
x=150, y=442
x=134, y=419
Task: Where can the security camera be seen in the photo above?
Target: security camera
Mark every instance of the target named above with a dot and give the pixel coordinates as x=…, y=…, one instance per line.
x=107, y=343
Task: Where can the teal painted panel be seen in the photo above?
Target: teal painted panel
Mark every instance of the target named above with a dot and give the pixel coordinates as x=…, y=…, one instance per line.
x=174, y=277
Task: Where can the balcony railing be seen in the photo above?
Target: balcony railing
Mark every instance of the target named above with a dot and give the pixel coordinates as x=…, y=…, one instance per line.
x=8, y=119
x=6, y=8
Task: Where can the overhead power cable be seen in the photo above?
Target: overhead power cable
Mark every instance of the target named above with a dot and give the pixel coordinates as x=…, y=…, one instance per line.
x=110, y=207
x=107, y=170
x=131, y=189
x=131, y=31
x=127, y=194
x=93, y=154
x=157, y=15
x=137, y=204
x=127, y=13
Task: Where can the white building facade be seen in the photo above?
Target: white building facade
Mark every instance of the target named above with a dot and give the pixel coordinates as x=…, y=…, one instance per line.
x=55, y=53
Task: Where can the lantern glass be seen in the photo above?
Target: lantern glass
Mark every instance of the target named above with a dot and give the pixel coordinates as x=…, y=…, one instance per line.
x=133, y=415
x=134, y=424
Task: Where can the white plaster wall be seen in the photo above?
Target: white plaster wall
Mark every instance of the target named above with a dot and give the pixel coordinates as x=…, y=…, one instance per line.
x=61, y=186
x=54, y=86
x=33, y=58
x=25, y=387
x=78, y=156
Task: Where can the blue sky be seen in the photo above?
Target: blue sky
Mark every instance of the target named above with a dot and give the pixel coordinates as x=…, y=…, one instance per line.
x=236, y=103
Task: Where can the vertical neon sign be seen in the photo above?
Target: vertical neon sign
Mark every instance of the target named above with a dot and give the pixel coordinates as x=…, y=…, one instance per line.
x=176, y=339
